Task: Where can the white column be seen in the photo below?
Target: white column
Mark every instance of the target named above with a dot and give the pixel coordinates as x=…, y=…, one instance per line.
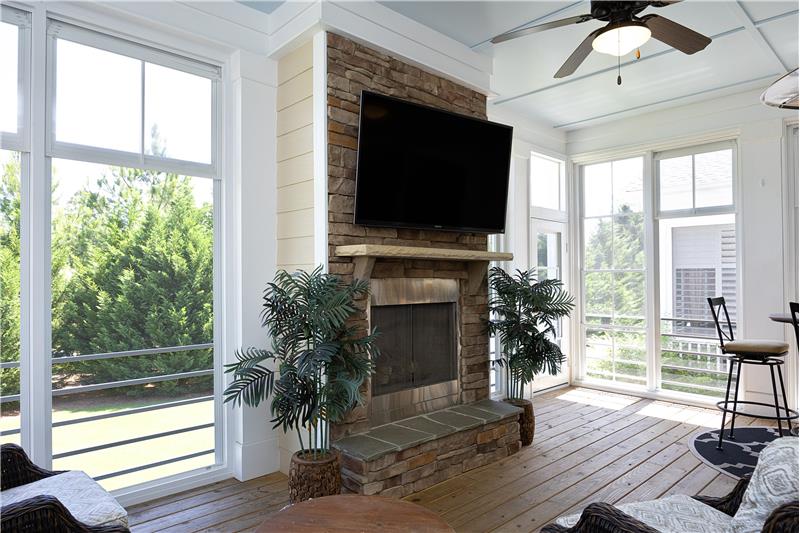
x=761, y=249
x=250, y=254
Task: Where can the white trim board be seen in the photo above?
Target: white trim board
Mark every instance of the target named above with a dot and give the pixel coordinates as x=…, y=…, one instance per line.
x=234, y=27
x=384, y=29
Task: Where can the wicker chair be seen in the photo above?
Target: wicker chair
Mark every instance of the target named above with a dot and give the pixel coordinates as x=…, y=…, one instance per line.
x=37, y=513
x=605, y=518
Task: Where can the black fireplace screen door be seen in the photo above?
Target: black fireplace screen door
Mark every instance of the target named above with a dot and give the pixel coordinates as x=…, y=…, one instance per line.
x=417, y=343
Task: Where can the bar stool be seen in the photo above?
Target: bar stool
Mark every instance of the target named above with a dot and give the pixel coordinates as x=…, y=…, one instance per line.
x=749, y=352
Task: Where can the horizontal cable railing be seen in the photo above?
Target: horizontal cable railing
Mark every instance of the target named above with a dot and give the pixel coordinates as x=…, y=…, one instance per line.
x=152, y=465
x=692, y=386
x=698, y=354
x=132, y=441
x=114, y=355
x=694, y=369
x=130, y=382
x=124, y=412
x=115, y=384
x=132, y=411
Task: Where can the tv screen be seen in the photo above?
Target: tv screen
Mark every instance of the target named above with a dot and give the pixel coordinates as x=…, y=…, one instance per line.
x=420, y=167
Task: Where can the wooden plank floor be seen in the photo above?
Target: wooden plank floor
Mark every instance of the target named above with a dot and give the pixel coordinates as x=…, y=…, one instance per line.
x=588, y=446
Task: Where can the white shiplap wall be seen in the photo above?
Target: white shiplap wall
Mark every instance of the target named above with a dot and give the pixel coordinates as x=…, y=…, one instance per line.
x=295, y=155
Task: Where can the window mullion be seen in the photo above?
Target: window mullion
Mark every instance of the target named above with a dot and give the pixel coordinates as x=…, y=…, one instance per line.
x=141, y=117
x=35, y=271
x=652, y=300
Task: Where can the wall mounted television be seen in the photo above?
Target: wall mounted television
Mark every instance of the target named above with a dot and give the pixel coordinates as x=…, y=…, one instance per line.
x=424, y=168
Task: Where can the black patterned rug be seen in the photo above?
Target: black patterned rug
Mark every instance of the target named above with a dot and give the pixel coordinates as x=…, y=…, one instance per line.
x=737, y=457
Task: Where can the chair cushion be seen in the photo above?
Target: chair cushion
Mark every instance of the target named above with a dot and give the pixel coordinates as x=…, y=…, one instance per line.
x=774, y=482
x=673, y=514
x=85, y=499
x=756, y=346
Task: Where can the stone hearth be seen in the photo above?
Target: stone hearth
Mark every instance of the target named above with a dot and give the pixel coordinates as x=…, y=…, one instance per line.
x=410, y=455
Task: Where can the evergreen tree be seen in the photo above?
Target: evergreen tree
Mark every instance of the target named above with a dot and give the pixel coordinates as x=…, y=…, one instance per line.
x=132, y=268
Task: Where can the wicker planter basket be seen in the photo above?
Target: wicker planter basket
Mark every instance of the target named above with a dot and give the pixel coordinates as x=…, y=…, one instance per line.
x=314, y=478
x=527, y=421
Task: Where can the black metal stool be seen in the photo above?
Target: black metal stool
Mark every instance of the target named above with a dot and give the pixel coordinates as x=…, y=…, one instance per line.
x=750, y=352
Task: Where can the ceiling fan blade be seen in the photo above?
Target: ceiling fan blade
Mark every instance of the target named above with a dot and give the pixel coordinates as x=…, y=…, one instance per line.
x=677, y=36
x=541, y=27
x=578, y=56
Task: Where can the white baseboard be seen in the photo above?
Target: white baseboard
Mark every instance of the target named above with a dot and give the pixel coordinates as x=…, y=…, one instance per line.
x=255, y=459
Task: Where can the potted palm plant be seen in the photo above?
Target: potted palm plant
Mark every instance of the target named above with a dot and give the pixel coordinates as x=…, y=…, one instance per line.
x=523, y=313
x=313, y=372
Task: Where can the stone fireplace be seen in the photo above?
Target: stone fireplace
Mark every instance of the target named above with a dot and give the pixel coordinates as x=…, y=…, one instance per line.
x=427, y=414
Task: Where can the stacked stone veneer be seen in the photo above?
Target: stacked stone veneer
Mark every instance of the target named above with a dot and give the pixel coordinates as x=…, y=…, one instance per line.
x=351, y=68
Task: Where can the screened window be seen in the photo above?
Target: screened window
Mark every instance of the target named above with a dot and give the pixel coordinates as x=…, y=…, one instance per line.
x=132, y=252
x=9, y=76
x=10, y=170
x=547, y=185
x=116, y=236
x=695, y=181
x=613, y=261
x=14, y=171
x=697, y=254
x=118, y=102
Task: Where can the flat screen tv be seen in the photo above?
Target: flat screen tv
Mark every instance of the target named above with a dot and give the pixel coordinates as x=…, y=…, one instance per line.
x=420, y=167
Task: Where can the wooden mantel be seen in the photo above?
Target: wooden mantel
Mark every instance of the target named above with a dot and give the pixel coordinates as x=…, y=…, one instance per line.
x=364, y=256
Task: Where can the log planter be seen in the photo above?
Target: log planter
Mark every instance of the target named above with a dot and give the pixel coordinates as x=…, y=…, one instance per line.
x=527, y=421
x=314, y=478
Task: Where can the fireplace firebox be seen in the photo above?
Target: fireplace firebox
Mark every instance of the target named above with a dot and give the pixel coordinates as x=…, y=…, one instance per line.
x=417, y=372
x=417, y=344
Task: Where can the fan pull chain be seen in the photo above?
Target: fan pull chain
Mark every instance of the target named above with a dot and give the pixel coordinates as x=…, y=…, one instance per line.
x=619, y=72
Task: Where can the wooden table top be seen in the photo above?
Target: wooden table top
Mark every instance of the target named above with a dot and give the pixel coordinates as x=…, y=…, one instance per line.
x=350, y=513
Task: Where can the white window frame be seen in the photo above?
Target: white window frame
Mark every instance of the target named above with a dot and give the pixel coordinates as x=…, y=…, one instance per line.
x=497, y=243
x=558, y=220
x=580, y=365
x=651, y=217
x=20, y=141
x=560, y=215
x=35, y=143
x=692, y=151
x=686, y=213
x=58, y=29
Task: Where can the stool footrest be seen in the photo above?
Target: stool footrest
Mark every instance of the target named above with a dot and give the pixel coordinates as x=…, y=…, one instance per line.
x=791, y=414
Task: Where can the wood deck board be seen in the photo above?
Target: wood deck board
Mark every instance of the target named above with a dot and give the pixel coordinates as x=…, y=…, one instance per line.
x=589, y=446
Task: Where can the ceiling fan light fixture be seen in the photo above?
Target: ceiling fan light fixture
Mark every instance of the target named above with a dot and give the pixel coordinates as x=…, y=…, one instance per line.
x=620, y=38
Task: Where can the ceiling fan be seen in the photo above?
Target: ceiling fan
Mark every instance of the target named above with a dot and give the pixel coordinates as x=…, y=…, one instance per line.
x=625, y=31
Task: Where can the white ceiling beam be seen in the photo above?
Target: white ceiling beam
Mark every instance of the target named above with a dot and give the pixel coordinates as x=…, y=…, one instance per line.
x=758, y=38
x=738, y=86
x=573, y=79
